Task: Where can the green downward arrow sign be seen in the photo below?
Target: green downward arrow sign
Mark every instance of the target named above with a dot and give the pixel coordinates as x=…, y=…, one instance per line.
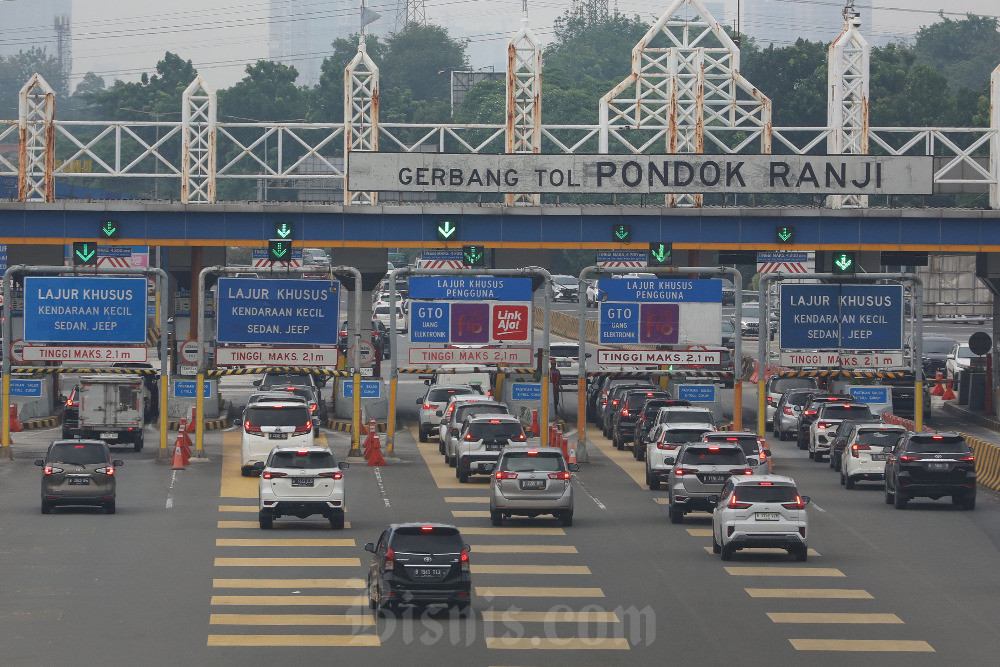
x=446, y=229
x=86, y=254
x=283, y=230
x=280, y=250
x=784, y=234
x=660, y=253
x=844, y=262
x=109, y=229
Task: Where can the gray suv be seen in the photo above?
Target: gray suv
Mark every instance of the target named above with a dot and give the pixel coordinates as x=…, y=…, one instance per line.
x=531, y=481
x=700, y=472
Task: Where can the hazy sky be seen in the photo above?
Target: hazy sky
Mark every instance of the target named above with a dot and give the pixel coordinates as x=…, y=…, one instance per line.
x=123, y=38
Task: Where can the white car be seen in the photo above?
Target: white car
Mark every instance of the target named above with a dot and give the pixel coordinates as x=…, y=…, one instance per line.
x=481, y=442
x=824, y=427
x=864, y=456
x=959, y=359
x=381, y=312
x=435, y=399
x=567, y=358
x=270, y=423
x=445, y=412
x=763, y=511
x=301, y=481
x=664, y=445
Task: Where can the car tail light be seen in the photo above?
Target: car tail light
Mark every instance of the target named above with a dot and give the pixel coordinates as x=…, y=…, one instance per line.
x=766, y=484
x=106, y=470
x=559, y=475
x=389, y=560
x=797, y=505
x=741, y=471
x=304, y=429
x=427, y=529
x=624, y=412
x=737, y=505
x=269, y=474
x=332, y=475
x=770, y=400
x=494, y=421
x=822, y=425
x=506, y=475
x=802, y=531
x=809, y=413
x=788, y=410
x=908, y=458
x=313, y=407
x=468, y=437
x=680, y=472
x=465, y=560
x=532, y=453
x=70, y=402
x=51, y=470
x=428, y=406
x=937, y=437
x=614, y=403
x=247, y=426
x=970, y=459
x=856, y=448
x=521, y=438
x=667, y=446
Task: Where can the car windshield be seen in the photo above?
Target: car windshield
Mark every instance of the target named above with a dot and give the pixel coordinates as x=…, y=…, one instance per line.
x=564, y=350
x=636, y=401
x=754, y=493
x=287, y=379
x=965, y=353
x=437, y=540
x=488, y=407
x=937, y=345
x=798, y=398
x=680, y=436
x=496, y=431
x=781, y=385
x=881, y=438
x=728, y=327
x=277, y=416
x=565, y=280
x=747, y=443
x=950, y=444
x=714, y=456
x=80, y=455
x=751, y=310
x=683, y=416
x=441, y=395
x=302, y=460
x=532, y=462
x=836, y=411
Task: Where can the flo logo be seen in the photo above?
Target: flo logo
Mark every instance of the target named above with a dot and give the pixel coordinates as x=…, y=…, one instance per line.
x=658, y=323
x=510, y=323
x=470, y=323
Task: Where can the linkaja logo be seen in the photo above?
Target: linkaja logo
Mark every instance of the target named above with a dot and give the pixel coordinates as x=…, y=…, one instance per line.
x=510, y=323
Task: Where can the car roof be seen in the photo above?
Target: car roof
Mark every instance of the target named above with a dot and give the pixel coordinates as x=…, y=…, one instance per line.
x=686, y=408
x=493, y=415
x=303, y=448
x=733, y=434
x=275, y=403
x=73, y=441
x=757, y=479
x=420, y=524
x=522, y=448
x=276, y=396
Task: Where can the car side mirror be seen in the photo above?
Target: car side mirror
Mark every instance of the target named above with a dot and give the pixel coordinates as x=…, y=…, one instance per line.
x=588, y=355
x=427, y=382
x=574, y=467
x=39, y=462
x=805, y=500
x=117, y=463
x=343, y=465
x=370, y=547
x=488, y=468
x=454, y=431
x=420, y=401
x=315, y=421
x=256, y=383
x=259, y=465
x=887, y=449
x=753, y=463
x=529, y=433
x=439, y=413
x=713, y=499
x=669, y=461
x=767, y=452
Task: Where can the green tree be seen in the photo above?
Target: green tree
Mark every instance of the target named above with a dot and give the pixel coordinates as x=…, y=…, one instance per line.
x=328, y=95
x=904, y=92
x=965, y=52
x=794, y=77
x=161, y=93
x=420, y=58
x=15, y=71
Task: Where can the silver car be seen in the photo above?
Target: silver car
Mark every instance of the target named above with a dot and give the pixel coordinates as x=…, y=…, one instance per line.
x=699, y=474
x=435, y=399
x=530, y=481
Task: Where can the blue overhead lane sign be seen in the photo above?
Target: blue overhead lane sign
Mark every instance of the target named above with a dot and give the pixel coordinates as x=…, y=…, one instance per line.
x=470, y=288
x=659, y=290
x=63, y=309
x=293, y=312
x=841, y=317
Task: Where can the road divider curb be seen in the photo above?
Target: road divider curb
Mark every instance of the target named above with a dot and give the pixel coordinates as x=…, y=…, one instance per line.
x=987, y=461
x=44, y=422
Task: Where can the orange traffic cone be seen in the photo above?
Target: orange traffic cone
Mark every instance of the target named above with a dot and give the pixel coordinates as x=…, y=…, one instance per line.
x=571, y=448
x=949, y=394
x=15, y=423
x=938, y=389
x=375, y=458
x=177, y=462
x=534, y=422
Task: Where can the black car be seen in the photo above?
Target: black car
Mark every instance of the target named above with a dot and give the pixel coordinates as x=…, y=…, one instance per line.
x=625, y=419
x=931, y=465
x=598, y=388
x=933, y=353
x=809, y=413
x=613, y=404
x=840, y=437
x=419, y=564
x=71, y=413
x=380, y=339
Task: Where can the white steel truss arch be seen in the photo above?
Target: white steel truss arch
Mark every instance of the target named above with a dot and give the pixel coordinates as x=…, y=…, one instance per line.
x=36, y=141
x=847, y=103
x=995, y=139
x=686, y=87
x=361, y=127
x=524, y=101
x=198, y=140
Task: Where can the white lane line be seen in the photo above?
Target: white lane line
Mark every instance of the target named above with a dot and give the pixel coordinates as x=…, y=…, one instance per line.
x=818, y=507
x=592, y=496
x=170, y=490
x=381, y=486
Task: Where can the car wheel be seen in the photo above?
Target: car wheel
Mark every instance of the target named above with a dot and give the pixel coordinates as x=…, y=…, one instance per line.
x=818, y=456
x=848, y=481
x=652, y=481
x=463, y=474
x=969, y=503
x=716, y=547
x=109, y=507
x=440, y=447
x=496, y=517
x=676, y=514
x=775, y=433
x=372, y=604
x=810, y=455
x=727, y=552
x=900, y=500
x=800, y=441
x=245, y=471
x=46, y=507
x=266, y=519
x=566, y=518
x=453, y=461
x=137, y=445
x=800, y=553
x=839, y=465
x=889, y=496
x=421, y=435
x=337, y=521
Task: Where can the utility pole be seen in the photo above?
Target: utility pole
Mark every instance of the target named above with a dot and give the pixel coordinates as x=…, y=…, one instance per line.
x=64, y=47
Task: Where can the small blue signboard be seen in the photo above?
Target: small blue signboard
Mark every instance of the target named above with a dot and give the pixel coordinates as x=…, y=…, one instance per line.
x=696, y=393
x=429, y=322
x=657, y=290
x=470, y=288
x=25, y=387
x=442, y=254
x=870, y=394
x=186, y=388
x=841, y=317
x=62, y=309
x=526, y=391
x=619, y=323
x=283, y=312
x=3, y=257
x=369, y=388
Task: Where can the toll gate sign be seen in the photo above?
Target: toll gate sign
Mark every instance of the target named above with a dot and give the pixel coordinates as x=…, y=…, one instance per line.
x=278, y=312
x=64, y=309
x=652, y=311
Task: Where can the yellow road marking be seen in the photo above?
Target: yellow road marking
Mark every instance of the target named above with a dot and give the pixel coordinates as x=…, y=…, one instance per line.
x=235, y=485
x=551, y=616
x=288, y=562
x=463, y=499
x=292, y=619
x=530, y=569
x=441, y=472
x=888, y=619
x=661, y=500
x=770, y=552
x=288, y=583
x=523, y=549
x=293, y=640
x=555, y=643
x=254, y=524
x=785, y=572
x=623, y=459
x=503, y=530
x=285, y=542
x=291, y=600
x=862, y=645
x=538, y=592
x=699, y=532
x=470, y=514
x=238, y=508
x=810, y=593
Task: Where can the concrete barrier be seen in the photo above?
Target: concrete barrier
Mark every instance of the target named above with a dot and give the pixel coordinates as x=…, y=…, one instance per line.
x=987, y=462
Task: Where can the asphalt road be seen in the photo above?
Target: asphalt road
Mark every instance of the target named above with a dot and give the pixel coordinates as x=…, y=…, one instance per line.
x=182, y=574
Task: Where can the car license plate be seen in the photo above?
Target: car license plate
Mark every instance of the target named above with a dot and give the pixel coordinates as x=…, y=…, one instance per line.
x=766, y=516
x=937, y=466
x=79, y=480
x=715, y=479
x=277, y=436
x=428, y=572
x=879, y=457
x=302, y=481
x=563, y=364
x=532, y=483
x=109, y=436
x=494, y=447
